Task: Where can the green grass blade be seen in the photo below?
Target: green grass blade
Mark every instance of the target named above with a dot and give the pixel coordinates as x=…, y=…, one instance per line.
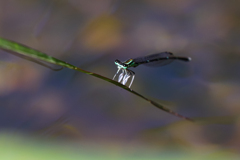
x=15, y=47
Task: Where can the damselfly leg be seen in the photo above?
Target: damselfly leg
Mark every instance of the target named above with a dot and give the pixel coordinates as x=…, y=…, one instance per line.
x=121, y=75
x=128, y=74
x=116, y=73
x=124, y=76
x=131, y=74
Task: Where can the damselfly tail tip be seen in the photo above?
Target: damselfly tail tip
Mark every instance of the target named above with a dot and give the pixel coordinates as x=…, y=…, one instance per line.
x=186, y=59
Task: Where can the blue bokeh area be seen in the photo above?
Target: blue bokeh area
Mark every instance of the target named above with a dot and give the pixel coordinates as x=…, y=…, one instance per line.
x=69, y=105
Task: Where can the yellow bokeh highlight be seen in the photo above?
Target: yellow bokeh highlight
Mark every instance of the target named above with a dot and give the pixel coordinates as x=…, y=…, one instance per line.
x=102, y=33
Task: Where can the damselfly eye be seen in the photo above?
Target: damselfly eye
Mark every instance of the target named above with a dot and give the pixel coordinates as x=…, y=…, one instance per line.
x=117, y=61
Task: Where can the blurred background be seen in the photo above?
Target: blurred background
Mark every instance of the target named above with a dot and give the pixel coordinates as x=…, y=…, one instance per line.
x=79, y=109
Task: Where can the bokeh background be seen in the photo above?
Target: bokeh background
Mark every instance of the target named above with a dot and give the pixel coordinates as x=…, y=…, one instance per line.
x=78, y=109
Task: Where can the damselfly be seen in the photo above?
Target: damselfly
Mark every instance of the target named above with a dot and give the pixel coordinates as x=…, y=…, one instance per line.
x=154, y=60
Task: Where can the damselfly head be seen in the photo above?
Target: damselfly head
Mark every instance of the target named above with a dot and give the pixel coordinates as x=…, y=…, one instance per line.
x=120, y=64
x=117, y=61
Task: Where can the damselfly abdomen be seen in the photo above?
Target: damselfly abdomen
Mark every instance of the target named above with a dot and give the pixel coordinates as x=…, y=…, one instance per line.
x=154, y=60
